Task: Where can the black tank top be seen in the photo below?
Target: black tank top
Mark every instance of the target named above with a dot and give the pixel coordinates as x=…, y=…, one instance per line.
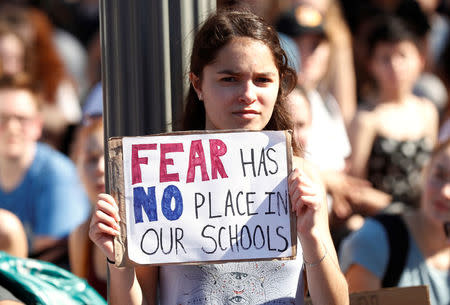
x=395, y=167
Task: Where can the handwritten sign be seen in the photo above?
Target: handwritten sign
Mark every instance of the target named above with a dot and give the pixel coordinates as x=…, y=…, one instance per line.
x=204, y=197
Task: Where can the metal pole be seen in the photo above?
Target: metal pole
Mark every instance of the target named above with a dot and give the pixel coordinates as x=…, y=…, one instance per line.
x=145, y=50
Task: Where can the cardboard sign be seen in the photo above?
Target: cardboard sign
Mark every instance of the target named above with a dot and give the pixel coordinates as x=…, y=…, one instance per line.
x=417, y=295
x=203, y=197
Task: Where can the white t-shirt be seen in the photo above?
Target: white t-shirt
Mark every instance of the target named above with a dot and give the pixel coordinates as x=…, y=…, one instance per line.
x=328, y=143
x=256, y=282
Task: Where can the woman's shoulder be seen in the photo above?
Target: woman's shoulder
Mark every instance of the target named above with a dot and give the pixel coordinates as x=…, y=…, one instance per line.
x=368, y=247
x=365, y=120
x=426, y=107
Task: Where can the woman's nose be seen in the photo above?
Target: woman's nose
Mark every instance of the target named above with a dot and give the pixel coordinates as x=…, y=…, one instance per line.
x=248, y=94
x=101, y=165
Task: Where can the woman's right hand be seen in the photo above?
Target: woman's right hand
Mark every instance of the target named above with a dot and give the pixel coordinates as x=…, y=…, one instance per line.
x=105, y=224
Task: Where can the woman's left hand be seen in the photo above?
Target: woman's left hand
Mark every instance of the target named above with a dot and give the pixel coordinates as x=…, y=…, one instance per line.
x=307, y=200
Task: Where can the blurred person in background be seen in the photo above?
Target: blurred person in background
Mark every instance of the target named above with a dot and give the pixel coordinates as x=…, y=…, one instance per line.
x=86, y=260
x=61, y=107
x=372, y=257
x=37, y=183
x=349, y=196
x=393, y=134
x=422, y=18
x=300, y=110
x=428, y=26
x=340, y=78
x=305, y=25
x=14, y=56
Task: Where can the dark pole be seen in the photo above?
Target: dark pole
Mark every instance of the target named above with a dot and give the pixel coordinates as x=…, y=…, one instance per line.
x=145, y=49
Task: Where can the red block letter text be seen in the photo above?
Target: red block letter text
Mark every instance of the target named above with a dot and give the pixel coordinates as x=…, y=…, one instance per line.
x=196, y=158
x=136, y=161
x=217, y=149
x=167, y=148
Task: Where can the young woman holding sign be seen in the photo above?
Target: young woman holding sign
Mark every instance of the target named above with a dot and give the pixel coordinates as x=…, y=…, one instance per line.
x=239, y=79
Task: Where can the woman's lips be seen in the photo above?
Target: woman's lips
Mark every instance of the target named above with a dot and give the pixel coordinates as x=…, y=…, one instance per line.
x=246, y=114
x=100, y=187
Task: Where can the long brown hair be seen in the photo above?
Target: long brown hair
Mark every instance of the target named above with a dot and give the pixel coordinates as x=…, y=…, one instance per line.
x=50, y=70
x=218, y=30
x=44, y=63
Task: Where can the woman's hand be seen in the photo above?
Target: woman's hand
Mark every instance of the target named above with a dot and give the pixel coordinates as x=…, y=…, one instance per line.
x=105, y=224
x=307, y=199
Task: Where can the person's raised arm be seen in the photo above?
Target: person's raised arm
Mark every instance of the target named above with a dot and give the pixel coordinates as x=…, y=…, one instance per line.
x=361, y=133
x=124, y=287
x=326, y=283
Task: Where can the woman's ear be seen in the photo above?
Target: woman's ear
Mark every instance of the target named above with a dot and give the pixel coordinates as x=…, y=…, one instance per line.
x=38, y=125
x=196, y=83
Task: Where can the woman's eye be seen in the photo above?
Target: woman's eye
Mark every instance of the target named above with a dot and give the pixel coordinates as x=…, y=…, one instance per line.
x=92, y=159
x=228, y=79
x=263, y=80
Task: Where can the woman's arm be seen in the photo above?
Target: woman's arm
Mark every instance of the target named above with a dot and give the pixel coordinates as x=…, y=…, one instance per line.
x=326, y=283
x=78, y=252
x=364, y=256
x=431, y=119
x=361, y=279
x=124, y=287
x=362, y=132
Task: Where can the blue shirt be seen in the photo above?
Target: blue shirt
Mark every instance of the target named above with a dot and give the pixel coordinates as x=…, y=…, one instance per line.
x=50, y=200
x=369, y=247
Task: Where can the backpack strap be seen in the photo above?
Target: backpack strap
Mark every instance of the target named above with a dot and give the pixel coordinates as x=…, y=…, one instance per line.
x=398, y=238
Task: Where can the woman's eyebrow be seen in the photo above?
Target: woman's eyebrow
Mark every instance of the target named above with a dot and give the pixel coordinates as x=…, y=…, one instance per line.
x=267, y=74
x=231, y=72
x=227, y=71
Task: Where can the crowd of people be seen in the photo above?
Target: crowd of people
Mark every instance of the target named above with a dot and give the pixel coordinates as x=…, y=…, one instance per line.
x=364, y=86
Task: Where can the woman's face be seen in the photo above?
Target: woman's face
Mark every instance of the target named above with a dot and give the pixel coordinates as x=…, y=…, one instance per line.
x=91, y=163
x=12, y=53
x=240, y=87
x=315, y=54
x=300, y=112
x=436, y=201
x=396, y=67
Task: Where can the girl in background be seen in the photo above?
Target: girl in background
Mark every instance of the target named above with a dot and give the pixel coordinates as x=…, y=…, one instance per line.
x=365, y=254
x=393, y=134
x=86, y=260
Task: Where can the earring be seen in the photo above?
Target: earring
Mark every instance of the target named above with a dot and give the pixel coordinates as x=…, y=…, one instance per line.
x=200, y=97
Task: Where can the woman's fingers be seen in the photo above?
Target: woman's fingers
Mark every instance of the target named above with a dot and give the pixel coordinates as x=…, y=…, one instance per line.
x=108, y=198
x=106, y=219
x=104, y=224
x=311, y=201
x=108, y=207
x=303, y=192
x=102, y=228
